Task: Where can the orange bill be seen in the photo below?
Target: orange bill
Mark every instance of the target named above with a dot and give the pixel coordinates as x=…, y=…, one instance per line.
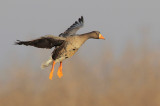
x=101, y=37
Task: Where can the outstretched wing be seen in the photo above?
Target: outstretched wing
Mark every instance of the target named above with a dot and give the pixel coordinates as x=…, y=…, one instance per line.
x=73, y=28
x=47, y=42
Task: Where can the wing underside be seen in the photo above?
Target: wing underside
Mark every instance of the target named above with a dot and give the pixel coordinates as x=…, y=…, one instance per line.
x=44, y=42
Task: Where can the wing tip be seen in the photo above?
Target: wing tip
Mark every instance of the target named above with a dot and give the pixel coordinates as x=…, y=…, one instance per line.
x=81, y=19
x=79, y=23
x=17, y=42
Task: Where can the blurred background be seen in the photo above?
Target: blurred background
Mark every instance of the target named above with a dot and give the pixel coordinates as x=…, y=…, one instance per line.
x=120, y=71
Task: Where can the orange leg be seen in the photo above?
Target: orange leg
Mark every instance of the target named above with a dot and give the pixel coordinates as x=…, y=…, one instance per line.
x=52, y=70
x=59, y=73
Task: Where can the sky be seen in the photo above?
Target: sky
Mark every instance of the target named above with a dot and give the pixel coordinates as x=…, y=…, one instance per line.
x=118, y=20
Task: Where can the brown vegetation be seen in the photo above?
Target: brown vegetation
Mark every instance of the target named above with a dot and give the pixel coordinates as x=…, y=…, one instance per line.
x=132, y=80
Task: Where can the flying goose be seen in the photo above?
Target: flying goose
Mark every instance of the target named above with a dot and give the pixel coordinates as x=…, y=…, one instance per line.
x=66, y=45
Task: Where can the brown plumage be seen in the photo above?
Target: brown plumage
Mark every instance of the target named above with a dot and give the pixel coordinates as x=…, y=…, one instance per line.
x=66, y=45
x=47, y=42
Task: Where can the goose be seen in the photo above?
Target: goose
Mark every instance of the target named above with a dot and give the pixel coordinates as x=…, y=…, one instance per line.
x=66, y=44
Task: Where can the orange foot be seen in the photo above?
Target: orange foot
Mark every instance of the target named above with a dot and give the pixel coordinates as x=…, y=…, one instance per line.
x=52, y=70
x=59, y=73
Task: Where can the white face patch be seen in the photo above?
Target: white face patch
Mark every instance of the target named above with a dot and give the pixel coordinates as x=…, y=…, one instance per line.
x=100, y=36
